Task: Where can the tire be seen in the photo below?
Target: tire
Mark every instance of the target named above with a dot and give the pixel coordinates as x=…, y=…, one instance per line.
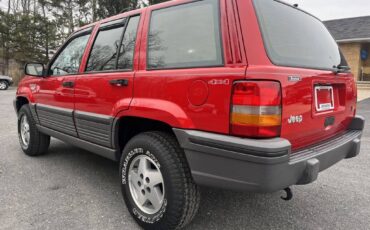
x=4, y=85
x=180, y=194
x=37, y=143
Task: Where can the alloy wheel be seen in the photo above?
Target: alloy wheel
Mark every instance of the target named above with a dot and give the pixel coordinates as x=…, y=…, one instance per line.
x=2, y=85
x=25, y=131
x=146, y=184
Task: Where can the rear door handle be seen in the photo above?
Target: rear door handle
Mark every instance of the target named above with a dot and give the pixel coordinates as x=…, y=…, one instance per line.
x=68, y=84
x=119, y=82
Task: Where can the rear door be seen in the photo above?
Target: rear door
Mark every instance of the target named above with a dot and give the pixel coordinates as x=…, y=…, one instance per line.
x=54, y=94
x=107, y=82
x=319, y=107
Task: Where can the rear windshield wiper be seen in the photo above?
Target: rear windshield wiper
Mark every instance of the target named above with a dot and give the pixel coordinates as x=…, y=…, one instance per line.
x=342, y=68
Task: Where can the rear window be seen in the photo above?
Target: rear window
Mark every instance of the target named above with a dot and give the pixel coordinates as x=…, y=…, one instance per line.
x=185, y=36
x=295, y=38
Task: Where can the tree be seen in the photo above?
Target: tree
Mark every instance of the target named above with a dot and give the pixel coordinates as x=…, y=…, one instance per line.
x=152, y=2
x=30, y=29
x=107, y=8
x=28, y=34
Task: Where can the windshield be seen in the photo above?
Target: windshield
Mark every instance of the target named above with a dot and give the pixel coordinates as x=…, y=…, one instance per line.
x=295, y=38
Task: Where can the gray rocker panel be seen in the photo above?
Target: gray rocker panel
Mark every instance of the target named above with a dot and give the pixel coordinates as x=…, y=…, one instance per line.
x=56, y=118
x=94, y=148
x=94, y=128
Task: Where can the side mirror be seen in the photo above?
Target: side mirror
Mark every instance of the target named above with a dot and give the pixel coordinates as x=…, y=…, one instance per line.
x=34, y=69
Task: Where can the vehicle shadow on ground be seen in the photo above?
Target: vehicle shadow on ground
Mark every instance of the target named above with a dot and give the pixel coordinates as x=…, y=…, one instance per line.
x=219, y=209
x=311, y=208
x=96, y=168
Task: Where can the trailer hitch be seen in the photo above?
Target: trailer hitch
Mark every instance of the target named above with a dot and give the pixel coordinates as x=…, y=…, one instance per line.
x=289, y=194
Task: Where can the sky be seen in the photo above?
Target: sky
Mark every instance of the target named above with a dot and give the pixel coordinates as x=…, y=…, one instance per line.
x=334, y=9
x=323, y=9
x=4, y=4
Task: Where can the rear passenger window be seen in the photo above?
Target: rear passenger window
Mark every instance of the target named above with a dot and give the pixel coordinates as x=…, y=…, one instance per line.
x=126, y=54
x=104, y=55
x=104, y=52
x=185, y=36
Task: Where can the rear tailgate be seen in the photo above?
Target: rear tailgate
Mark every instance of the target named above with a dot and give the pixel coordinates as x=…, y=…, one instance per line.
x=318, y=96
x=303, y=122
x=316, y=107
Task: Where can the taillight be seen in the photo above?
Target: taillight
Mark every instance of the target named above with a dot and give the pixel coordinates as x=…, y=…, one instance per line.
x=256, y=109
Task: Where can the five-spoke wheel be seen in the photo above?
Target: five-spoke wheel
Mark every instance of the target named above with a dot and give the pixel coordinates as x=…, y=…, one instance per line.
x=25, y=131
x=146, y=184
x=32, y=141
x=156, y=182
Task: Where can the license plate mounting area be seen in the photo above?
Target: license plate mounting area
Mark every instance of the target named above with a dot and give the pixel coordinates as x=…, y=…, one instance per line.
x=324, y=98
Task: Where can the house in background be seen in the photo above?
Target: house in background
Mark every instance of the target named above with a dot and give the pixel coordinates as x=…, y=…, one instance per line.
x=353, y=37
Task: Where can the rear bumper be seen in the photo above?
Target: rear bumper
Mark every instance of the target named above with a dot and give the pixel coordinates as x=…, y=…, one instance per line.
x=262, y=165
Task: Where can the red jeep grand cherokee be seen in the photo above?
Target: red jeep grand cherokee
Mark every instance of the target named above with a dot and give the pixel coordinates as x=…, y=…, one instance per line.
x=236, y=94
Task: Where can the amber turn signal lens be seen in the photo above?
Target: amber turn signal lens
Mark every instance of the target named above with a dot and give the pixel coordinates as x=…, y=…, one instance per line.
x=256, y=109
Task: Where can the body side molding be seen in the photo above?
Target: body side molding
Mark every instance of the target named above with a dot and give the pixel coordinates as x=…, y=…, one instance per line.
x=94, y=127
x=94, y=148
x=56, y=118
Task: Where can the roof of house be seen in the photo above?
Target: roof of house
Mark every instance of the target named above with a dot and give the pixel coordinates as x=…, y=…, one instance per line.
x=350, y=29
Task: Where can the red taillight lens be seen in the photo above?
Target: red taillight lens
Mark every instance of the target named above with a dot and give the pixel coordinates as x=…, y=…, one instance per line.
x=256, y=109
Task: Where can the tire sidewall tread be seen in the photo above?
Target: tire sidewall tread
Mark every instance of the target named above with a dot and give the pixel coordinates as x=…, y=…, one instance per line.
x=39, y=142
x=181, y=193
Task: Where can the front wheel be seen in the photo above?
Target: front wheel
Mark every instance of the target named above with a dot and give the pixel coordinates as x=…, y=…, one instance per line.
x=157, y=186
x=33, y=142
x=4, y=85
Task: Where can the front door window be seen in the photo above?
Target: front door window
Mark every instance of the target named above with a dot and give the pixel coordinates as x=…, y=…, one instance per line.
x=69, y=60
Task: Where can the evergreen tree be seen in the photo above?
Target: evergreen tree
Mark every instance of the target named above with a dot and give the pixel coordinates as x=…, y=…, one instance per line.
x=31, y=29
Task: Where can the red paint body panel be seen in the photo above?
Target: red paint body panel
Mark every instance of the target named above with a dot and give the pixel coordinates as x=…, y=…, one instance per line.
x=163, y=95
x=298, y=99
x=51, y=92
x=167, y=90
x=94, y=93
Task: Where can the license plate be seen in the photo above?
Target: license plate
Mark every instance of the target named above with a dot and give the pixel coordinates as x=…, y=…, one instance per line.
x=324, y=98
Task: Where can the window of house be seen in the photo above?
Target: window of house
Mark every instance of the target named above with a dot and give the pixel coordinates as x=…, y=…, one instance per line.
x=185, y=36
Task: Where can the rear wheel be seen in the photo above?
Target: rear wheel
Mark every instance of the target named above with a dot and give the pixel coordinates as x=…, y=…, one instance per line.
x=33, y=142
x=156, y=182
x=4, y=85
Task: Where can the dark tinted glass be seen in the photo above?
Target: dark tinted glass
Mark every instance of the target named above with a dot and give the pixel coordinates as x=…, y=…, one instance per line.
x=187, y=35
x=126, y=54
x=104, y=52
x=69, y=60
x=295, y=38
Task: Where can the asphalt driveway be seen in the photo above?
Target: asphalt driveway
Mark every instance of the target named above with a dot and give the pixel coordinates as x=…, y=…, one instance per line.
x=72, y=189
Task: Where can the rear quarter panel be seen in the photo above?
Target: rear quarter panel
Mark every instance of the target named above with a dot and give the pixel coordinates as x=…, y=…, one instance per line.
x=192, y=98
